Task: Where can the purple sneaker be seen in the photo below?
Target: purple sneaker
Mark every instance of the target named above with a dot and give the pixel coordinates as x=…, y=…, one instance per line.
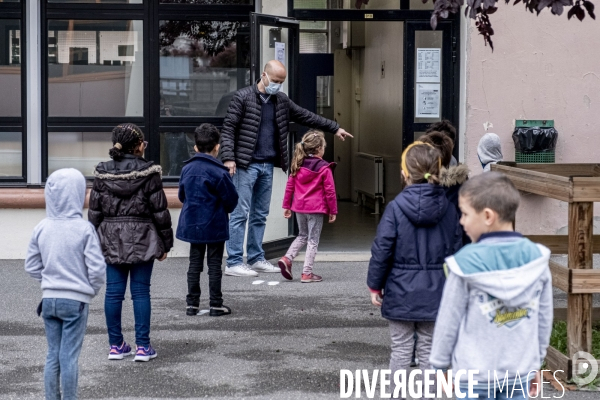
x=144, y=353
x=118, y=352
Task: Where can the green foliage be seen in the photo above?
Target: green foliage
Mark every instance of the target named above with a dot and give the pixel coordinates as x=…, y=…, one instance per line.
x=558, y=338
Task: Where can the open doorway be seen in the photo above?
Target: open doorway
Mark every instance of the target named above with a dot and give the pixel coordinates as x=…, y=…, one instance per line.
x=364, y=94
x=385, y=82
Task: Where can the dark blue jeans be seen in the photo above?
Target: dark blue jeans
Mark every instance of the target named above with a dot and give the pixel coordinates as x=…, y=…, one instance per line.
x=116, y=284
x=65, y=322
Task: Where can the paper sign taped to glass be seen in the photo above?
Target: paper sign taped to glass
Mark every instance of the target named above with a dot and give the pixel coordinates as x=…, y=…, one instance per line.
x=280, y=52
x=428, y=100
x=428, y=65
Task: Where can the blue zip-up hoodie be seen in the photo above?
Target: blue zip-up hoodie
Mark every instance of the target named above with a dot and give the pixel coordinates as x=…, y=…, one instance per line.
x=496, y=311
x=418, y=230
x=64, y=252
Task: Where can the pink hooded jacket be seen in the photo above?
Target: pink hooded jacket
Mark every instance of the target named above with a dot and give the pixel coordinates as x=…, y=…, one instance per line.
x=312, y=190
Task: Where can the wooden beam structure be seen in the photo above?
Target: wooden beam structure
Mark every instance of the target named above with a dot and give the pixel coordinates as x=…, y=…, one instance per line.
x=557, y=361
x=559, y=244
x=579, y=185
x=579, y=306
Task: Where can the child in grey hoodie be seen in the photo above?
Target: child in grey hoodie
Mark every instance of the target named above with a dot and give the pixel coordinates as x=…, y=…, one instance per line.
x=496, y=310
x=65, y=256
x=489, y=151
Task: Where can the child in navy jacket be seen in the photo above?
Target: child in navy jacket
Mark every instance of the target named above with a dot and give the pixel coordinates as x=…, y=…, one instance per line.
x=418, y=230
x=208, y=195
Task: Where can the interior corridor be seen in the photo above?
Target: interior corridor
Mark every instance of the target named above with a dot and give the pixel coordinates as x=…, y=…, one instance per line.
x=353, y=230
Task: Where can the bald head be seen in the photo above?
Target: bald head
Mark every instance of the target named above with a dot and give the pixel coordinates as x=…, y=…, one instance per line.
x=276, y=71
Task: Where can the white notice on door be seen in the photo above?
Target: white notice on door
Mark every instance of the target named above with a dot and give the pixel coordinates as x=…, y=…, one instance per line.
x=428, y=65
x=428, y=100
x=280, y=52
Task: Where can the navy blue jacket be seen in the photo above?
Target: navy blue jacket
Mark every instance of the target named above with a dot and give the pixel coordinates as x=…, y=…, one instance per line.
x=208, y=195
x=418, y=230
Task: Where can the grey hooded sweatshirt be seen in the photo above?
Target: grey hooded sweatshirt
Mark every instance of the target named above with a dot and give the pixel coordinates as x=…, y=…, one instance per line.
x=64, y=253
x=489, y=150
x=496, y=310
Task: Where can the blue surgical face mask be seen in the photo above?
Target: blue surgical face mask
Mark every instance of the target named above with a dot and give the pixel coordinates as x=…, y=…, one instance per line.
x=273, y=87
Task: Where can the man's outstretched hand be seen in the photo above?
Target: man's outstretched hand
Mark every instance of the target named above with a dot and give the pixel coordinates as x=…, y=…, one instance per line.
x=341, y=134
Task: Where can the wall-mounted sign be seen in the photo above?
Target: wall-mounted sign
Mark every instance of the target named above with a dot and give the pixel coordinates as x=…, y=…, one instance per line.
x=428, y=65
x=428, y=100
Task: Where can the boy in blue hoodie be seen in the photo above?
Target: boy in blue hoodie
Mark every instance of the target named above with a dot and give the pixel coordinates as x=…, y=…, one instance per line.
x=65, y=256
x=496, y=310
x=208, y=195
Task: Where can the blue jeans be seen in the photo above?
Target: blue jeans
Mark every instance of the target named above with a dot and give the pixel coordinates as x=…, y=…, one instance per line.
x=65, y=322
x=506, y=393
x=116, y=284
x=254, y=186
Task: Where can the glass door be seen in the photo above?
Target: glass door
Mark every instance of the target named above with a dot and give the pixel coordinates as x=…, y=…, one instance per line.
x=276, y=38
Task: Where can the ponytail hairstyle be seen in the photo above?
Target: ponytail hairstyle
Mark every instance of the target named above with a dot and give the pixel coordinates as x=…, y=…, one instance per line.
x=125, y=138
x=312, y=142
x=421, y=162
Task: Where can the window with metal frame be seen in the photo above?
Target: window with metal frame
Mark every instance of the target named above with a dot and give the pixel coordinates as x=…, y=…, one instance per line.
x=163, y=65
x=13, y=100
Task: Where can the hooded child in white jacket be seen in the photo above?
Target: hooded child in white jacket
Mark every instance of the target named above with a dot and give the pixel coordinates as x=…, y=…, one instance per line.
x=64, y=256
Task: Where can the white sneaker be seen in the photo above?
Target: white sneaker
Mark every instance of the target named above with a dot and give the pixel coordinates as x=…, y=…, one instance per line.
x=265, y=266
x=240, y=270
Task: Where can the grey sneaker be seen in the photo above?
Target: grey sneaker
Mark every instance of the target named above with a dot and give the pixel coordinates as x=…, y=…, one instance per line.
x=240, y=270
x=265, y=266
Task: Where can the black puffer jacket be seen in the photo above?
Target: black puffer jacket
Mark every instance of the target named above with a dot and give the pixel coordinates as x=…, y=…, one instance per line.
x=128, y=207
x=240, y=129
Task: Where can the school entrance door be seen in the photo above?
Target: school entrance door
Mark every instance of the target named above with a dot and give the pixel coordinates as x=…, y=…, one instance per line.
x=384, y=75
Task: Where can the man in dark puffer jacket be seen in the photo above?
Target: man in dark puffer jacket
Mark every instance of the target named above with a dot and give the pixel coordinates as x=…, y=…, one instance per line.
x=253, y=142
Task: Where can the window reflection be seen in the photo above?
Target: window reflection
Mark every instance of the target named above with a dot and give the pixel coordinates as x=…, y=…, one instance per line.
x=97, y=1
x=79, y=150
x=176, y=147
x=95, y=68
x=209, y=2
x=11, y=154
x=10, y=68
x=202, y=63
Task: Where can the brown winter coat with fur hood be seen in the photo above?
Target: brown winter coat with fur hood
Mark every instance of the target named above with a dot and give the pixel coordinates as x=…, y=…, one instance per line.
x=128, y=207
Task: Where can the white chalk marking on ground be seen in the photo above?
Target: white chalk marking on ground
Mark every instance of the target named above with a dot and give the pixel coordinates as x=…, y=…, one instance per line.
x=257, y=282
x=273, y=283
x=203, y=312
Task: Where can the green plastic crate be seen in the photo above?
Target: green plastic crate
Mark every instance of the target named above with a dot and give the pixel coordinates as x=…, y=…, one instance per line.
x=545, y=157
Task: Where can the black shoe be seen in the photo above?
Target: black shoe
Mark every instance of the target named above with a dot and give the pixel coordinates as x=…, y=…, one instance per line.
x=191, y=310
x=219, y=311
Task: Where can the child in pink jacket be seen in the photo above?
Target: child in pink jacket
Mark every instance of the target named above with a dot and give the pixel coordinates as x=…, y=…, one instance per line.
x=310, y=193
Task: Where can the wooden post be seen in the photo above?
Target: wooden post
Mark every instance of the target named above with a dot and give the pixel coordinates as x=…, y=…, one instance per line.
x=579, y=306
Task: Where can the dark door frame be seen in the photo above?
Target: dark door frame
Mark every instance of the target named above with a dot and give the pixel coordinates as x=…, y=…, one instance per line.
x=412, y=19
x=275, y=248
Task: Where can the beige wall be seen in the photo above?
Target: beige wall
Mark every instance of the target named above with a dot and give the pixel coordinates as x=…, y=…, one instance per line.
x=542, y=68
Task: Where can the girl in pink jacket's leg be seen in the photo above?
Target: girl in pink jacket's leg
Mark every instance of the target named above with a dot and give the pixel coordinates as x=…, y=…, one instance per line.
x=310, y=193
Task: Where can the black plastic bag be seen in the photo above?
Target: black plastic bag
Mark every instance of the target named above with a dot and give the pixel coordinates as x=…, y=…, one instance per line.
x=535, y=139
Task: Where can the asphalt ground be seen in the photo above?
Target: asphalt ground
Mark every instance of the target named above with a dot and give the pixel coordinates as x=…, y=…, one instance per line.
x=284, y=341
